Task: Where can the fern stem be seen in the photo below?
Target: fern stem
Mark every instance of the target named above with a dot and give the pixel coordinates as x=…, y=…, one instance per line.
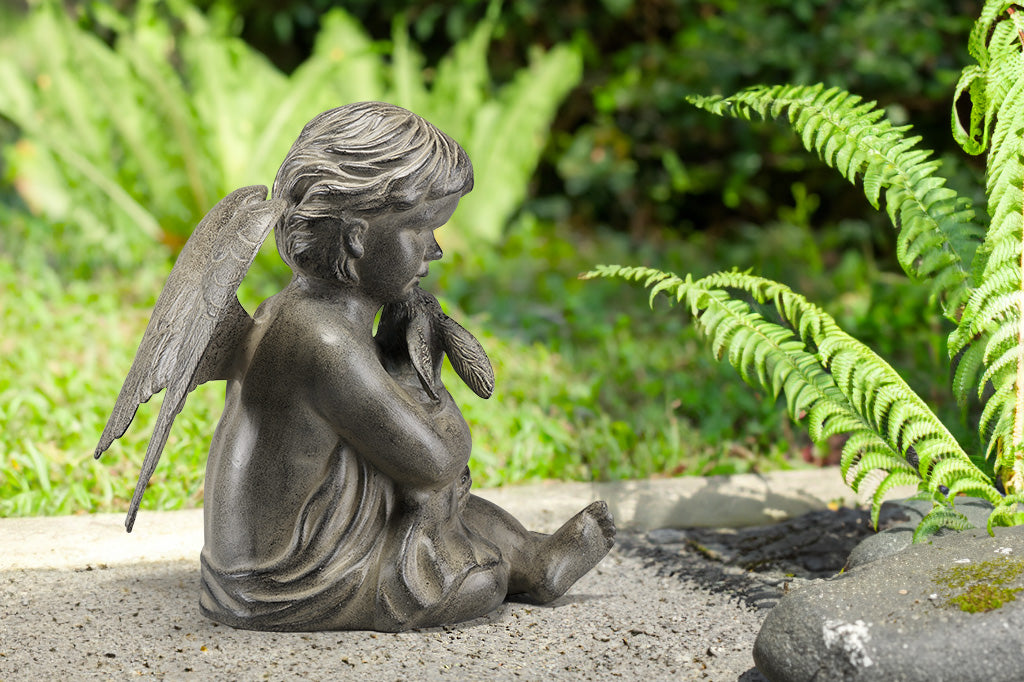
x=1016, y=22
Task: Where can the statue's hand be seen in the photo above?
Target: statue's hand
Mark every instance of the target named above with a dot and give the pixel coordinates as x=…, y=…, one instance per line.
x=416, y=333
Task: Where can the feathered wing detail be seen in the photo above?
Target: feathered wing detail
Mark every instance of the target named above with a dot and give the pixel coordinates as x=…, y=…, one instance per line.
x=406, y=330
x=468, y=358
x=424, y=350
x=197, y=325
x=428, y=336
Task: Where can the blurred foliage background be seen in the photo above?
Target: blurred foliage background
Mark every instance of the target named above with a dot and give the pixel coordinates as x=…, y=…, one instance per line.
x=122, y=122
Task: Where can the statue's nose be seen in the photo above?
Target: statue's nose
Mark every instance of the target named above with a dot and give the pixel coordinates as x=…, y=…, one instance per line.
x=434, y=250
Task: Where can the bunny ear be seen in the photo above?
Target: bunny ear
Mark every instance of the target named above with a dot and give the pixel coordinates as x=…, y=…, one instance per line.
x=467, y=356
x=418, y=337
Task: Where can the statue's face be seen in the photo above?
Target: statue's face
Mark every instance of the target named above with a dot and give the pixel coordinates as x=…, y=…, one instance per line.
x=399, y=246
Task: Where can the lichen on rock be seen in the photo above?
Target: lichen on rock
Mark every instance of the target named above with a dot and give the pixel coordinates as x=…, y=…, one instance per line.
x=980, y=587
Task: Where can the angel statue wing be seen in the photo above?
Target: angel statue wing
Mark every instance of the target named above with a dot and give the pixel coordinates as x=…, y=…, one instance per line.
x=197, y=325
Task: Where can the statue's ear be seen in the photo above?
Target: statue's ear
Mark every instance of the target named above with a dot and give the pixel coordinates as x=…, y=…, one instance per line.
x=352, y=230
x=351, y=247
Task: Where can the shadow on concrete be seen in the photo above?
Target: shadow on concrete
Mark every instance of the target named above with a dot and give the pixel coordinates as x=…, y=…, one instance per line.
x=756, y=565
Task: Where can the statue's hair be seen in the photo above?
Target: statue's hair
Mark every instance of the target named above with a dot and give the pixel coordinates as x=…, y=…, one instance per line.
x=352, y=163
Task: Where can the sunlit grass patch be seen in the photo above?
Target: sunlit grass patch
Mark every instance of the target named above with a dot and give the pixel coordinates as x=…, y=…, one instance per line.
x=65, y=350
x=559, y=411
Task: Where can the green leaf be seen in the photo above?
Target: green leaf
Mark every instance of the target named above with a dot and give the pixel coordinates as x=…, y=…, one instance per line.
x=855, y=138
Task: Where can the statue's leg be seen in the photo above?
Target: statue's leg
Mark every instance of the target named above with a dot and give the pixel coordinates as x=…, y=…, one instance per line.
x=542, y=567
x=481, y=592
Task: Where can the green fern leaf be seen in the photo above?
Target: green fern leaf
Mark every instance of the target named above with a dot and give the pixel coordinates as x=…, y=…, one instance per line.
x=881, y=461
x=836, y=382
x=894, y=478
x=972, y=488
x=855, y=138
x=1005, y=512
x=988, y=343
x=958, y=476
x=861, y=444
x=940, y=517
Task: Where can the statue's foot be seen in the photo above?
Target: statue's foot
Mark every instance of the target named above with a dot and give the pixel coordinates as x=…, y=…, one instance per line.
x=568, y=554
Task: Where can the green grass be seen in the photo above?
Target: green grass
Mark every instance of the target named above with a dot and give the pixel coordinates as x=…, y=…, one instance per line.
x=68, y=345
x=65, y=349
x=559, y=410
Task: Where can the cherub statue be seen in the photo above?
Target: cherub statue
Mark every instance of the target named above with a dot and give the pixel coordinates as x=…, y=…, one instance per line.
x=337, y=490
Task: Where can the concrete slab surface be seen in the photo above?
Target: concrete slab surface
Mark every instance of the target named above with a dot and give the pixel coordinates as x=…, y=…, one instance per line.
x=81, y=599
x=621, y=620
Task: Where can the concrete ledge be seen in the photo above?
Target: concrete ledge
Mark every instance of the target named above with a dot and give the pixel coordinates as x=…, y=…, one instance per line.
x=99, y=540
x=688, y=502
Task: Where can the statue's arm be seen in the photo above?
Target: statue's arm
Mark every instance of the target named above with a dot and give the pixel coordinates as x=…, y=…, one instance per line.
x=381, y=421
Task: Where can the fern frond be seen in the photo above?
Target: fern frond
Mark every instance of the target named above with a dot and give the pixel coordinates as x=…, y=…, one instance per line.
x=861, y=445
x=988, y=343
x=940, y=517
x=837, y=383
x=894, y=478
x=967, y=365
x=885, y=461
x=1005, y=512
x=971, y=488
x=997, y=418
x=957, y=477
x=937, y=235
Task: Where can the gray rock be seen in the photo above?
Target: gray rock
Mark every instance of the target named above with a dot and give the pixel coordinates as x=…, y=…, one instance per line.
x=899, y=519
x=891, y=619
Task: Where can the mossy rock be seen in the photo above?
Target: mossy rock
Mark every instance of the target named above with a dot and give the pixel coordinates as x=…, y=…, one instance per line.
x=980, y=587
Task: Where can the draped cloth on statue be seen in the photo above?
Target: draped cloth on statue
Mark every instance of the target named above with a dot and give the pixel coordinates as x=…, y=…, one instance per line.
x=358, y=559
